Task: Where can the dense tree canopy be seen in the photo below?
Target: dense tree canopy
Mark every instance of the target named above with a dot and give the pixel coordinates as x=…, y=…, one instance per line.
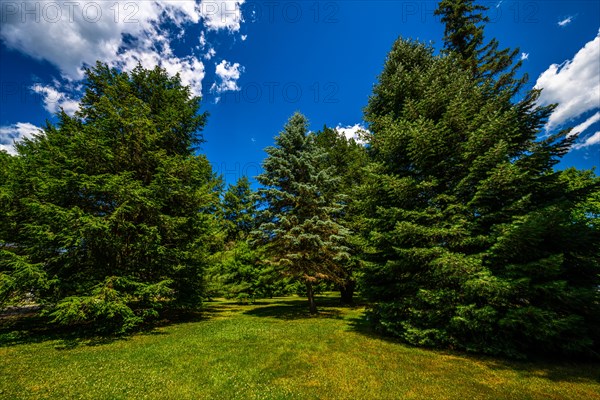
x=452, y=219
x=347, y=158
x=239, y=270
x=113, y=209
x=473, y=243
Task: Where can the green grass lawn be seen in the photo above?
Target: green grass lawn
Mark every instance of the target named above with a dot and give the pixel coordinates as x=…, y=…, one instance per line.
x=272, y=350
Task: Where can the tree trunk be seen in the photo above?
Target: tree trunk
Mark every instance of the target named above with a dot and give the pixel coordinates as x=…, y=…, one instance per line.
x=347, y=293
x=311, y=298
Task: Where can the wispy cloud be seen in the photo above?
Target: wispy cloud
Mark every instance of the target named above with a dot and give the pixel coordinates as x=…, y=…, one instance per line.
x=585, y=124
x=210, y=53
x=589, y=141
x=574, y=85
x=149, y=23
x=11, y=134
x=222, y=14
x=228, y=74
x=54, y=99
x=122, y=34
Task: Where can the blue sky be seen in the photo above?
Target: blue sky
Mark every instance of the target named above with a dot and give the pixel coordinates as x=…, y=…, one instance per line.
x=255, y=63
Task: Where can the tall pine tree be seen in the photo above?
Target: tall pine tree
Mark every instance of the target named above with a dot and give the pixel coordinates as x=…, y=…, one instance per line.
x=301, y=232
x=473, y=243
x=114, y=209
x=464, y=39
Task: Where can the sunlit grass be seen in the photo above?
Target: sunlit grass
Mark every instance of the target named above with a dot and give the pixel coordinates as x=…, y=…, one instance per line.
x=272, y=350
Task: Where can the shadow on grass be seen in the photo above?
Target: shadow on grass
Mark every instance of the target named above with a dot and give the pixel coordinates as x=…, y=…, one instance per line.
x=35, y=329
x=327, y=307
x=544, y=367
x=26, y=326
x=30, y=328
x=552, y=370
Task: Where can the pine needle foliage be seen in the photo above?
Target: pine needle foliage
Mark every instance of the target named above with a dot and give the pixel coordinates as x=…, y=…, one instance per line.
x=475, y=241
x=113, y=210
x=300, y=231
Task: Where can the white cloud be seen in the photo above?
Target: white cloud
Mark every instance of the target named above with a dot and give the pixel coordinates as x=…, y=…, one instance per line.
x=210, y=53
x=71, y=35
x=15, y=133
x=524, y=56
x=356, y=132
x=222, y=14
x=190, y=69
x=585, y=124
x=574, y=85
x=566, y=21
x=54, y=100
x=589, y=141
x=228, y=74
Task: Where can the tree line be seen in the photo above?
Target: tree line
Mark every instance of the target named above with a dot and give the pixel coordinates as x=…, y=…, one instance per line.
x=451, y=220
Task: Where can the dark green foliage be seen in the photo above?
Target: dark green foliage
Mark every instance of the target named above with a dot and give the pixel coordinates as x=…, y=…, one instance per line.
x=476, y=242
x=238, y=271
x=464, y=39
x=587, y=211
x=463, y=33
x=242, y=274
x=21, y=280
x=6, y=198
x=348, y=159
x=301, y=234
x=239, y=210
x=115, y=213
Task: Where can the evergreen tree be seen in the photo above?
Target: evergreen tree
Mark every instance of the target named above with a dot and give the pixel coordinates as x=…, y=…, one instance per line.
x=114, y=209
x=464, y=39
x=242, y=274
x=6, y=198
x=473, y=243
x=301, y=232
x=347, y=158
x=239, y=210
x=19, y=278
x=238, y=271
